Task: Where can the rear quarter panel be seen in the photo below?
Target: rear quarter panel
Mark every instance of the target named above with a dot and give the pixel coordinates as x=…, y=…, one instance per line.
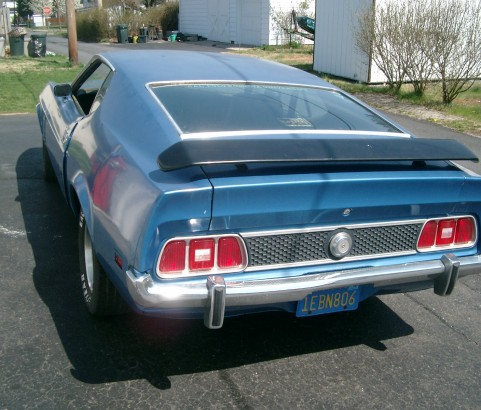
x=127, y=201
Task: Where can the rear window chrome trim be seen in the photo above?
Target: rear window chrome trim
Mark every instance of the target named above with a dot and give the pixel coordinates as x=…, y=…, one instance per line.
x=230, y=134
x=155, y=84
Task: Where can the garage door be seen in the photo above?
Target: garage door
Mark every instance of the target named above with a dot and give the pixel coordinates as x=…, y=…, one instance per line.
x=249, y=21
x=219, y=20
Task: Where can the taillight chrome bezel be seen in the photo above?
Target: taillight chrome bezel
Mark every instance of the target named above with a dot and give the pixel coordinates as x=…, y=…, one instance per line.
x=216, y=269
x=436, y=247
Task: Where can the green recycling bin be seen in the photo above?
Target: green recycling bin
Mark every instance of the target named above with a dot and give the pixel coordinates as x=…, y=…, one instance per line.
x=17, y=47
x=122, y=33
x=37, y=47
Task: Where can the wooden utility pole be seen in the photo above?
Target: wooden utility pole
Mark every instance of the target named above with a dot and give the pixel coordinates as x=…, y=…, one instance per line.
x=72, y=33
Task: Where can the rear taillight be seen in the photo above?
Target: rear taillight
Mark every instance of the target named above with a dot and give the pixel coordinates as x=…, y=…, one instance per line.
x=200, y=256
x=230, y=253
x=465, y=231
x=173, y=257
x=447, y=233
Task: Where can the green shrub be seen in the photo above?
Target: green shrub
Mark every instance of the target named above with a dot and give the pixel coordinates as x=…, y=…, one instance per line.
x=133, y=18
x=96, y=25
x=164, y=16
x=92, y=25
x=170, y=16
x=153, y=16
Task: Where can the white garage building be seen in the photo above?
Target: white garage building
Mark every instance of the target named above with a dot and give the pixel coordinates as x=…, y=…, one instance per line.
x=335, y=50
x=233, y=21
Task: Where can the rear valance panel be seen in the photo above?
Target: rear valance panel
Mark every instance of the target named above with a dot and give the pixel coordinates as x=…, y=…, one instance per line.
x=274, y=150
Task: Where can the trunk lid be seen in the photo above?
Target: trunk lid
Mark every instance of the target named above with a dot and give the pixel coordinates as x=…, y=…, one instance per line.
x=260, y=197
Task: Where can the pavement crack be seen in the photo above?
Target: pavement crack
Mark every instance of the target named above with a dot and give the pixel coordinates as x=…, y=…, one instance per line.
x=236, y=393
x=470, y=287
x=441, y=319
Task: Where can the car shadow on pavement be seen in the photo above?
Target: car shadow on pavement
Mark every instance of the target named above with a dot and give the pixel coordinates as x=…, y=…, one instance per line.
x=134, y=347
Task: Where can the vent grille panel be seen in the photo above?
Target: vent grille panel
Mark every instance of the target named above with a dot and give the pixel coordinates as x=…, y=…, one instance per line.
x=305, y=247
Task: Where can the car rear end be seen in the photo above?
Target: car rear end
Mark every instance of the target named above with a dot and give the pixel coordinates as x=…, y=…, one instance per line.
x=317, y=204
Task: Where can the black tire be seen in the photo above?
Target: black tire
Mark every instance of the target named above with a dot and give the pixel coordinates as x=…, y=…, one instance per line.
x=48, y=172
x=99, y=294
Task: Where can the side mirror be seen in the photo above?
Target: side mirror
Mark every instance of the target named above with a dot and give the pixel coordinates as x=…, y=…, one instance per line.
x=62, y=90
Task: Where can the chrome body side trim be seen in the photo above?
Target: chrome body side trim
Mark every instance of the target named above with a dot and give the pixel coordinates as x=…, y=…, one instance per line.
x=326, y=261
x=334, y=227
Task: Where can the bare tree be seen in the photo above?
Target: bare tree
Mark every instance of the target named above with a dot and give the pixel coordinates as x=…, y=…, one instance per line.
x=424, y=40
x=59, y=6
x=455, y=45
x=379, y=37
x=37, y=5
x=416, y=57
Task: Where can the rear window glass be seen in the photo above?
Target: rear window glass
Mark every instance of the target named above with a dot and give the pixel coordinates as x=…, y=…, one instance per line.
x=252, y=107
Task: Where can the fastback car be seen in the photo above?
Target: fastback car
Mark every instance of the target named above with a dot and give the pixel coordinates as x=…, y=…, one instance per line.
x=211, y=185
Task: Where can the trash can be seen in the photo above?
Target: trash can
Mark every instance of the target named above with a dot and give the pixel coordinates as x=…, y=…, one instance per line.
x=144, y=31
x=142, y=39
x=122, y=33
x=37, y=46
x=17, y=47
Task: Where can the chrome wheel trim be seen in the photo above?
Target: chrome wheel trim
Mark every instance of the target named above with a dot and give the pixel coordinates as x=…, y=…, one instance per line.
x=89, y=260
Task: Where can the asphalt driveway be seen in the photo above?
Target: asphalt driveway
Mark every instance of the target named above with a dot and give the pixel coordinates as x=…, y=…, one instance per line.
x=59, y=45
x=401, y=351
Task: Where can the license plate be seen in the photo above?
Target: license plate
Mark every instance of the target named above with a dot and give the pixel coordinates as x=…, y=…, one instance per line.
x=329, y=301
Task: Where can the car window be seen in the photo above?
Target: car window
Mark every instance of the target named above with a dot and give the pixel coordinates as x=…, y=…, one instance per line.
x=101, y=93
x=250, y=107
x=87, y=91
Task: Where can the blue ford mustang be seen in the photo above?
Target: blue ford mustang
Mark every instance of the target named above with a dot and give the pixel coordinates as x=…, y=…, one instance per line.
x=210, y=185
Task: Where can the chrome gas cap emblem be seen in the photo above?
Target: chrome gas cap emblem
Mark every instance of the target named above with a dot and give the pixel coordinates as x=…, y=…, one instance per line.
x=340, y=245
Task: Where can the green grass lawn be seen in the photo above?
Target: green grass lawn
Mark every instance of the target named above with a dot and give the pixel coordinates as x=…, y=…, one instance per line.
x=23, y=78
x=467, y=106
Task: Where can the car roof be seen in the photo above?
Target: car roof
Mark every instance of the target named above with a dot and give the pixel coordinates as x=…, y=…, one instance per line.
x=136, y=68
x=146, y=66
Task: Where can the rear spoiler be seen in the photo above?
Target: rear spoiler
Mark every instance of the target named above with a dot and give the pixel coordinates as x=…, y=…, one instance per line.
x=218, y=151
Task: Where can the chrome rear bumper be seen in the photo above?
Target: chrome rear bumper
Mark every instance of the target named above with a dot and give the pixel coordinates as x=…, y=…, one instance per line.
x=218, y=291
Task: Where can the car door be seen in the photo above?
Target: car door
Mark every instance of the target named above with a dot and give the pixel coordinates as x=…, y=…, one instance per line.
x=64, y=106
